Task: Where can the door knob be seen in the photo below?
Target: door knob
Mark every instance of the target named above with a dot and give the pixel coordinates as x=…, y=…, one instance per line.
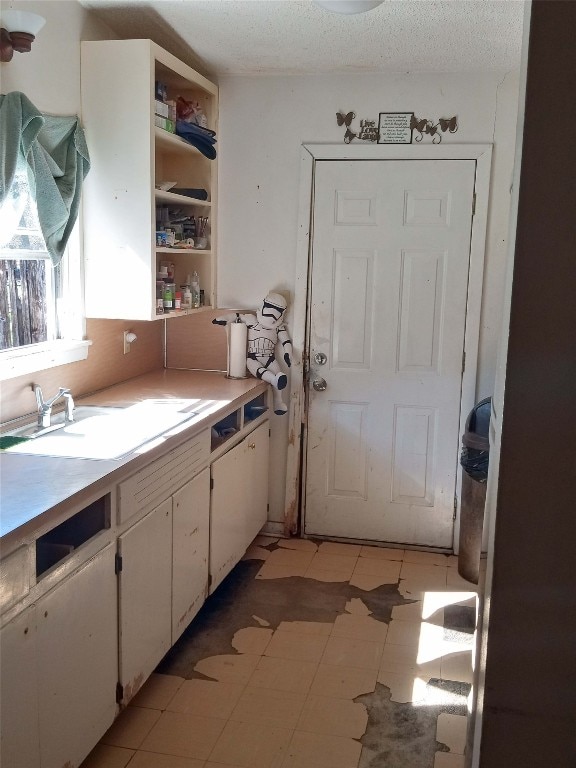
x=320, y=358
x=319, y=385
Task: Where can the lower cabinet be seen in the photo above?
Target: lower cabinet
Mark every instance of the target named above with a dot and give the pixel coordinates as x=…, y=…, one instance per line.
x=113, y=619
x=59, y=670
x=163, y=579
x=239, y=502
x=191, y=531
x=145, y=595
x=20, y=742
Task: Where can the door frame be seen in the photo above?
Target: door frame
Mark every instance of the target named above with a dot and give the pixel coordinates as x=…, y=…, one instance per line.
x=309, y=155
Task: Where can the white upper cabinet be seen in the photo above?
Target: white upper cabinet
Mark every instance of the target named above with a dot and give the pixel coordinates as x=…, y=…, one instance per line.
x=130, y=156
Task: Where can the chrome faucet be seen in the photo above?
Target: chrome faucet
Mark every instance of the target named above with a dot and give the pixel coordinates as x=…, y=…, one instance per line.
x=45, y=408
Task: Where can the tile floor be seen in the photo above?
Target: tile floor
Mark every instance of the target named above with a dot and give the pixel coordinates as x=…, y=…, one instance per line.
x=312, y=655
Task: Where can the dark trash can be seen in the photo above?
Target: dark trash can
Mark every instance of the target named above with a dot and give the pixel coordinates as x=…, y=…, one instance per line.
x=474, y=459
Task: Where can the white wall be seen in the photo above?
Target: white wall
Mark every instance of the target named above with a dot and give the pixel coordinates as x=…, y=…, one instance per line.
x=50, y=74
x=263, y=123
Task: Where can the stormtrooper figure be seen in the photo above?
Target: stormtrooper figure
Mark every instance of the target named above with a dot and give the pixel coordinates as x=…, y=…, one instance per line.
x=265, y=330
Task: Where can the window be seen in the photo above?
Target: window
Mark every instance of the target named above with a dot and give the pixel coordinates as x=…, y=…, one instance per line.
x=28, y=283
x=40, y=305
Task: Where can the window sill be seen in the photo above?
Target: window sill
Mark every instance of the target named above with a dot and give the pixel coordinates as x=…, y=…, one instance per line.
x=39, y=357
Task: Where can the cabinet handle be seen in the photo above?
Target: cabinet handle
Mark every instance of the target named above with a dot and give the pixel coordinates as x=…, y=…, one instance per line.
x=252, y=445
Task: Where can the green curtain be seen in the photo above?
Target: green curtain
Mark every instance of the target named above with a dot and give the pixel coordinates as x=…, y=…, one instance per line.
x=55, y=150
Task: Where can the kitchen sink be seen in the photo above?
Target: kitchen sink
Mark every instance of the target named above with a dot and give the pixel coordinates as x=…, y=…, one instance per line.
x=103, y=432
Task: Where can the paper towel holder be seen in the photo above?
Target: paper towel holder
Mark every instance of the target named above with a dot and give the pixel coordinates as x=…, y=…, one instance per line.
x=236, y=336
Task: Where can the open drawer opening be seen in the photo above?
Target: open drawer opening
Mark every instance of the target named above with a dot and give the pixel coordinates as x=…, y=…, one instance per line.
x=255, y=408
x=59, y=543
x=225, y=429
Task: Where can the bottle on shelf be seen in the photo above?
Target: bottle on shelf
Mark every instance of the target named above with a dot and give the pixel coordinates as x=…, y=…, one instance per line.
x=186, y=295
x=195, y=290
x=169, y=291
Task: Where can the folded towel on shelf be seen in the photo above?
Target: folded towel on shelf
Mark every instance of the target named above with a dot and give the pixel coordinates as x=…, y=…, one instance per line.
x=202, y=138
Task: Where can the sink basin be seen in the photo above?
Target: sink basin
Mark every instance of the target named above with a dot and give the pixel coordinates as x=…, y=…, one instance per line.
x=81, y=412
x=104, y=432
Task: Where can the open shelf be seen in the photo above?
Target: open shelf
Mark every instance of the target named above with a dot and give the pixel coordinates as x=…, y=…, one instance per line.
x=60, y=542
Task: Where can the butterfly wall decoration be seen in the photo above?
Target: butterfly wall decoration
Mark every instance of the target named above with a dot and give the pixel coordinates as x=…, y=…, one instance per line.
x=427, y=127
x=346, y=120
x=368, y=130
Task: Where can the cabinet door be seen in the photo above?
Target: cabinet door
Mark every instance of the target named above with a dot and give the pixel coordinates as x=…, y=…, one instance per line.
x=145, y=588
x=77, y=652
x=227, y=513
x=239, y=502
x=20, y=744
x=190, y=533
x=256, y=482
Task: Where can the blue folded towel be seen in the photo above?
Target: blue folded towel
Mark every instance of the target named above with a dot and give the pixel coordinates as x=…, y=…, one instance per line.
x=201, y=138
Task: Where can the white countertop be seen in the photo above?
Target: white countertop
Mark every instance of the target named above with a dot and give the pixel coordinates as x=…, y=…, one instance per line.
x=33, y=489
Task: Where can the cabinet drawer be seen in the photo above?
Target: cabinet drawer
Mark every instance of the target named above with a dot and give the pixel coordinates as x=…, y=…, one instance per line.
x=161, y=478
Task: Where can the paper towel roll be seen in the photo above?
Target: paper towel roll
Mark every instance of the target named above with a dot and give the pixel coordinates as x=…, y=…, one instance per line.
x=237, y=345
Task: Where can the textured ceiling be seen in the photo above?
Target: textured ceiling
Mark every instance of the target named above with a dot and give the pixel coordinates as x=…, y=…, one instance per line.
x=295, y=36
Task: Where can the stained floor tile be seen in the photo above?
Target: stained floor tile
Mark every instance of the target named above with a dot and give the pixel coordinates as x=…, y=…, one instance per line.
x=404, y=633
x=386, y=569
x=229, y=668
x=369, y=582
x=448, y=760
x=264, y=541
x=252, y=640
x=154, y=760
x=350, y=652
x=251, y=745
x=306, y=627
x=263, y=705
x=183, y=735
x=105, y=756
x=457, y=666
x=206, y=698
x=452, y=732
x=338, y=717
x=404, y=688
x=131, y=727
x=382, y=553
x=336, y=548
x=284, y=571
x=426, y=558
x=157, y=691
x=358, y=607
x=303, y=545
x=360, y=628
x=323, y=561
x=256, y=553
x=291, y=557
x=291, y=645
x=284, y=674
x=343, y=682
x=423, y=577
x=322, y=751
x=321, y=574
x=405, y=659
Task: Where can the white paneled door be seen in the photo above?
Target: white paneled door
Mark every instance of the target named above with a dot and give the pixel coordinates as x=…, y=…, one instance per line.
x=389, y=283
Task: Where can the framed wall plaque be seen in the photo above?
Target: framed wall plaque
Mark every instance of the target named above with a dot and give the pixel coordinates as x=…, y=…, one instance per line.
x=395, y=128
